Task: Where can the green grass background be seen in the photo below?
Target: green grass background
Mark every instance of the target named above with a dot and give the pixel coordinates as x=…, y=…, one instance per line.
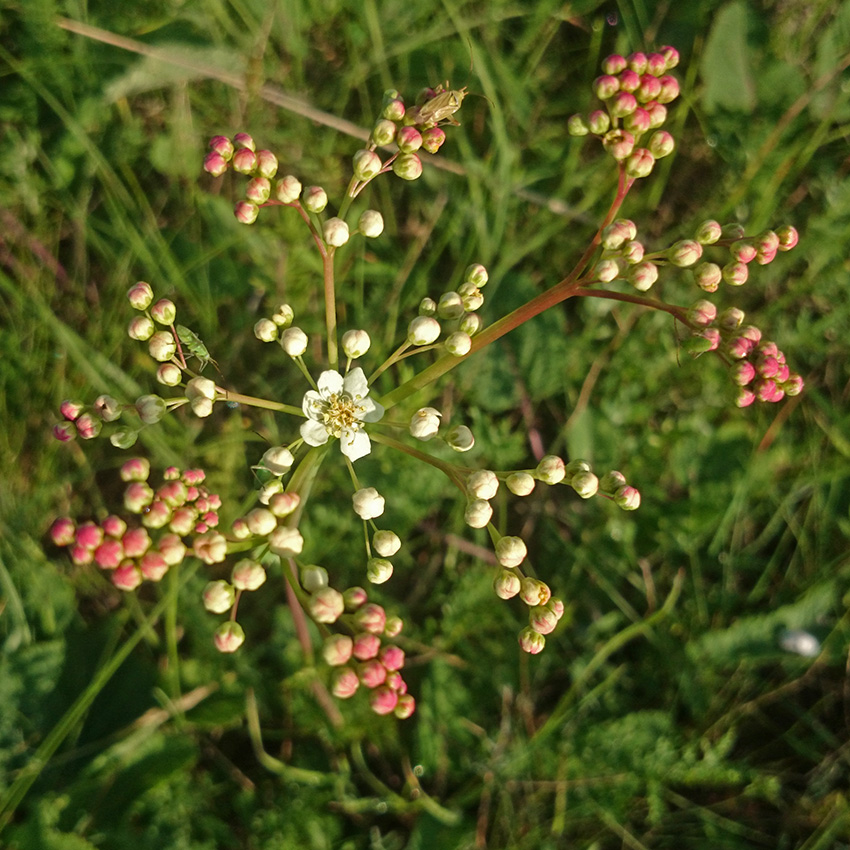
x=663, y=713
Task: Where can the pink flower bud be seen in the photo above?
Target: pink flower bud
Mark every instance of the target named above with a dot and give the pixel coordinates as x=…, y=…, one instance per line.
x=137, y=496
x=182, y=521
x=629, y=80
x=136, y=542
x=433, y=138
x=64, y=432
x=770, y=391
x=542, y=619
x=337, y=650
x=394, y=109
x=530, y=641
x=743, y=251
x=372, y=673
x=89, y=535
x=649, y=89
x=229, y=636
x=669, y=89
x=383, y=700
x=172, y=549
x=71, y=409
x=745, y=397
x=371, y=618
x=793, y=385
x=638, y=122
x=408, y=139
x=258, y=191
x=109, y=554
x=619, y=143
x=671, y=55
x=661, y=144
x=157, y=515
x=623, y=103
x=614, y=64
x=392, y=657
x=153, y=565
x=63, y=531
x=743, y=372
x=627, y=498
x=366, y=646
x=222, y=146
x=637, y=62
x=633, y=252
x=345, y=683
x=767, y=366
x=87, y=426
x=702, y=313
x=81, y=555
x=606, y=86
x=405, y=707
x=657, y=114
x=215, y=164
x=288, y=190
x=640, y=163
x=246, y=212
x=395, y=681
x=244, y=161
x=656, y=64
x=643, y=275
x=127, y=576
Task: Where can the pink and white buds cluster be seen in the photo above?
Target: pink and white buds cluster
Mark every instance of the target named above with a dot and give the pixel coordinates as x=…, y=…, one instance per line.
x=634, y=90
x=361, y=658
x=614, y=485
x=178, y=508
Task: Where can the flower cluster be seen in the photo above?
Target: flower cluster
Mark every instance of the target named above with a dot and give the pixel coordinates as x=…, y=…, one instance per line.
x=635, y=90
x=180, y=507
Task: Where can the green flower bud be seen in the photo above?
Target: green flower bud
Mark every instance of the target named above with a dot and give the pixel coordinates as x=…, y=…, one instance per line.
x=460, y=438
x=367, y=164
x=151, y=408
x=314, y=578
x=383, y=132
x=450, y=306
x=586, y=484
x=577, y=125
x=477, y=275
x=378, y=570
x=708, y=232
x=520, y=483
x=707, y=276
x=408, y=166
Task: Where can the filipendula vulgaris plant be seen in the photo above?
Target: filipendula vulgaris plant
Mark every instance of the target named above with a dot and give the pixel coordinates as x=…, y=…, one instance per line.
x=339, y=419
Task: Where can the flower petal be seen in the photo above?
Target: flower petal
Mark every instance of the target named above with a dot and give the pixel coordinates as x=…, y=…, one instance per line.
x=313, y=405
x=370, y=411
x=329, y=383
x=354, y=444
x=314, y=433
x=355, y=383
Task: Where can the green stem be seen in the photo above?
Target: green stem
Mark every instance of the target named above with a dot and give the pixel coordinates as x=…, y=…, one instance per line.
x=330, y=307
x=253, y=401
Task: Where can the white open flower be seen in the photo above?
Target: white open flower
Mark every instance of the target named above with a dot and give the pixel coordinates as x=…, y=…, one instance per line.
x=339, y=409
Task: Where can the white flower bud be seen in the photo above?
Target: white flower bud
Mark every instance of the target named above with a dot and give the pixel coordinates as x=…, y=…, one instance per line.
x=425, y=423
x=151, y=408
x=278, y=460
x=218, y=596
x=293, y=341
x=371, y=223
x=458, y=344
x=378, y=570
x=314, y=578
x=386, y=543
x=140, y=295
x=286, y=542
x=423, y=330
x=248, y=575
x=483, y=484
x=169, y=374
x=269, y=490
x=261, y=521
x=460, y=438
x=314, y=199
x=200, y=388
x=550, y=470
x=355, y=343
x=368, y=503
x=288, y=189
x=520, y=483
x=265, y=330
x=335, y=232
x=201, y=407
x=511, y=551
x=506, y=585
x=283, y=316
x=427, y=307
x=478, y=513
x=471, y=295
x=327, y=605
x=450, y=306
x=162, y=346
x=470, y=324
x=586, y=484
x=141, y=328
x=476, y=274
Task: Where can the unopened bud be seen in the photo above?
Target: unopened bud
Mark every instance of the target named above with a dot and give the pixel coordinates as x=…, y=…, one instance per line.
x=423, y=330
x=425, y=423
x=140, y=295
x=371, y=224
x=640, y=163
x=433, y=139
x=511, y=551
x=577, y=125
x=229, y=636
x=642, y=275
x=478, y=513
x=248, y=575
x=520, y=483
x=707, y=276
x=408, y=166
x=386, y=543
x=661, y=144
x=506, y=585
x=684, y=253
x=788, y=237
x=550, y=470
x=460, y=438
x=735, y=274
x=458, y=344
x=246, y=212
x=293, y=341
x=378, y=570
x=383, y=132
x=702, y=313
x=483, y=484
x=355, y=343
x=586, y=484
x=534, y=592
x=286, y=542
x=531, y=641
x=151, y=408
x=708, y=232
x=314, y=578
x=314, y=199
x=218, y=596
x=140, y=328
x=265, y=330
x=288, y=190
x=368, y=503
x=599, y=122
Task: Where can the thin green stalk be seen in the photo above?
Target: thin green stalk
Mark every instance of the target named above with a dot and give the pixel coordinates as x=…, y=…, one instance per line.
x=253, y=401
x=330, y=307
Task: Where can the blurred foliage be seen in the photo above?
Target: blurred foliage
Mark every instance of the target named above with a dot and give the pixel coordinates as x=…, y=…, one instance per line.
x=644, y=724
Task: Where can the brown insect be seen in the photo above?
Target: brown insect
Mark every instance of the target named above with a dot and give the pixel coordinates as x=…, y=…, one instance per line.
x=441, y=107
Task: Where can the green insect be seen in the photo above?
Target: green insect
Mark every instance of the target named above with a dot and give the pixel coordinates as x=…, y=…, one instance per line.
x=441, y=107
x=195, y=346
